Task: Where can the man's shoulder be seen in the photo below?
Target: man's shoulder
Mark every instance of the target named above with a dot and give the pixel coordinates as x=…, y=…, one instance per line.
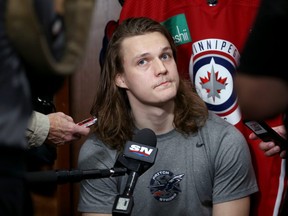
x=95, y=154
x=218, y=127
x=214, y=120
x=92, y=143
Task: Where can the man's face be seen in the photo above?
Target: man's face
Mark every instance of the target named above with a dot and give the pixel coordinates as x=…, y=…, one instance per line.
x=150, y=72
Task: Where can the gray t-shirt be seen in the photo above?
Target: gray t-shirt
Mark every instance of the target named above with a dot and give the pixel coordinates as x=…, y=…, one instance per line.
x=190, y=174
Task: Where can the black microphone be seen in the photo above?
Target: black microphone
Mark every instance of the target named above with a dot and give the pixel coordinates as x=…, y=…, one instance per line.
x=138, y=156
x=67, y=176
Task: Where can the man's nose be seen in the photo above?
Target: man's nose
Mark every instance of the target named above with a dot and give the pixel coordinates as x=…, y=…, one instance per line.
x=159, y=67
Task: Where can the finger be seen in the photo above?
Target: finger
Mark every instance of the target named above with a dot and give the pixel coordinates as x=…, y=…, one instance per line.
x=283, y=154
x=253, y=136
x=75, y=137
x=82, y=131
x=272, y=151
x=265, y=146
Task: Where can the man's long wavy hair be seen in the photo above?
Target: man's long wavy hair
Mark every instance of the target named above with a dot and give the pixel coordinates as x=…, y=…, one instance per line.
x=111, y=106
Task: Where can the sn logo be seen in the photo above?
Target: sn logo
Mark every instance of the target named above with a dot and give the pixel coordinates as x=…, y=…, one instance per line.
x=141, y=150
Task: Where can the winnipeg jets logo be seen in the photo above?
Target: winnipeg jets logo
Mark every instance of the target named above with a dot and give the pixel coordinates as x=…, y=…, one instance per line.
x=212, y=67
x=212, y=83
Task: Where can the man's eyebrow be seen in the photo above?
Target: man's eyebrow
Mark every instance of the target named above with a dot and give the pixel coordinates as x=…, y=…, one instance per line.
x=167, y=48
x=142, y=55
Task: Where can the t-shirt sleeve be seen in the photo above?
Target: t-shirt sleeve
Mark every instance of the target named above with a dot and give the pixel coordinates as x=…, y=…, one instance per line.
x=234, y=173
x=96, y=195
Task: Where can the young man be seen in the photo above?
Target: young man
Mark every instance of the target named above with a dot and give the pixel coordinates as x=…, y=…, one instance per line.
x=210, y=36
x=203, y=163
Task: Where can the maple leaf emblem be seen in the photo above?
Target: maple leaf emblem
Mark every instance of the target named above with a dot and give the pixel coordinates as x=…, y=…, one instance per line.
x=213, y=84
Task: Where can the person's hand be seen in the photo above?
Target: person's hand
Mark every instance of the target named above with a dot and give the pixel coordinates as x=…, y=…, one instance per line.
x=63, y=129
x=270, y=148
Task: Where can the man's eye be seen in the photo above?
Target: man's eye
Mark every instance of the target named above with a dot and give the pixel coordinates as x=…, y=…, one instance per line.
x=142, y=62
x=165, y=56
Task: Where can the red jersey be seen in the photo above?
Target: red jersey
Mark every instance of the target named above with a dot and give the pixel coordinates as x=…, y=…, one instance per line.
x=209, y=42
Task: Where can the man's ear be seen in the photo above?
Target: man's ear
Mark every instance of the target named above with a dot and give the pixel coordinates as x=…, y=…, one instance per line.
x=120, y=81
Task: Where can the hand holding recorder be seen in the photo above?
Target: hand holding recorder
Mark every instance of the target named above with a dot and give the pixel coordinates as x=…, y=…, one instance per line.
x=63, y=129
x=273, y=139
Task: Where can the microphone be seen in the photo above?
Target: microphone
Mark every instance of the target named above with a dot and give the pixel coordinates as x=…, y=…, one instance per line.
x=138, y=156
x=67, y=176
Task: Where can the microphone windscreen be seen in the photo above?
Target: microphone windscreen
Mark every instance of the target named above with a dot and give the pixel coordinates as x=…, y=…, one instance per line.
x=140, y=153
x=145, y=136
